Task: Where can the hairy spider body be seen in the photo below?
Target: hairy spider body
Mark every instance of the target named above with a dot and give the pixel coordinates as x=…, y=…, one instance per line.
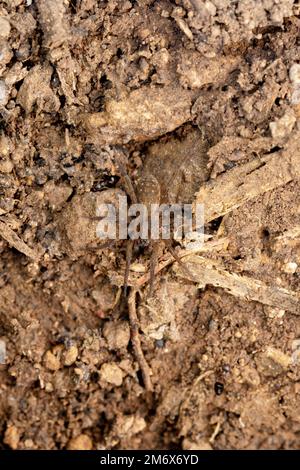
x=172, y=173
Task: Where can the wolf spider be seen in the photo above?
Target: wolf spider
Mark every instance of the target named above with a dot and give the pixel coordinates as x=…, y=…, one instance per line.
x=147, y=190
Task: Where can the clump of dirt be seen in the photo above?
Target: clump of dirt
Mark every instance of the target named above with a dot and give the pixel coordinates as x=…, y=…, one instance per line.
x=202, y=96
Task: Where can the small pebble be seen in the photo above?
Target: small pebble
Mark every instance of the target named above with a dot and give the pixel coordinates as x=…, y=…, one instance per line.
x=5, y=53
x=279, y=357
x=81, y=442
x=294, y=74
x=4, y=27
x=295, y=98
x=28, y=443
x=2, y=351
x=129, y=425
x=3, y=93
x=296, y=351
x=296, y=344
x=4, y=146
x=117, y=334
x=290, y=268
x=210, y=7
x=49, y=387
x=70, y=355
x=51, y=361
x=112, y=374
x=284, y=126
x=12, y=437
x=184, y=28
x=274, y=312
x=6, y=166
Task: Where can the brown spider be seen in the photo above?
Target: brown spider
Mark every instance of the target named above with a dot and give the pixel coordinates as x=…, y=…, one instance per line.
x=165, y=178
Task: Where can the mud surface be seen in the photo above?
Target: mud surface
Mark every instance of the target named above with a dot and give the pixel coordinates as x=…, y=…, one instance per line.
x=203, y=86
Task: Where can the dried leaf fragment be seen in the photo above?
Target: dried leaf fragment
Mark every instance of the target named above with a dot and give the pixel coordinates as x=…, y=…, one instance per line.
x=241, y=184
x=208, y=272
x=14, y=240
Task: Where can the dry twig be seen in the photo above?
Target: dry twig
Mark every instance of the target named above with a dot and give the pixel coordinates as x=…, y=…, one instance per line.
x=241, y=184
x=12, y=238
x=209, y=272
x=136, y=342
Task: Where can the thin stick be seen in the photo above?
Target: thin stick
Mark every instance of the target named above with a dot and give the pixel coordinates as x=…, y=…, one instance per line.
x=235, y=187
x=210, y=272
x=14, y=240
x=136, y=342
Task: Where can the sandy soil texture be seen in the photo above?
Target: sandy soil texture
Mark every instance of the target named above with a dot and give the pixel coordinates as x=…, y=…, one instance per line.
x=203, y=98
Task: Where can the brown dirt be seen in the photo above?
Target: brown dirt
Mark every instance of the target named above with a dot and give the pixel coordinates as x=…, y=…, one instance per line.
x=82, y=83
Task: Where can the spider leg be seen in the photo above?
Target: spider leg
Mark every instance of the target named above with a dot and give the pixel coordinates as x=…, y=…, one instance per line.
x=129, y=249
x=153, y=264
x=187, y=272
x=108, y=244
x=129, y=188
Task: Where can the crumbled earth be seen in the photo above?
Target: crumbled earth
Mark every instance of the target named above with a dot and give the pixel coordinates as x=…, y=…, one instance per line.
x=202, y=85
